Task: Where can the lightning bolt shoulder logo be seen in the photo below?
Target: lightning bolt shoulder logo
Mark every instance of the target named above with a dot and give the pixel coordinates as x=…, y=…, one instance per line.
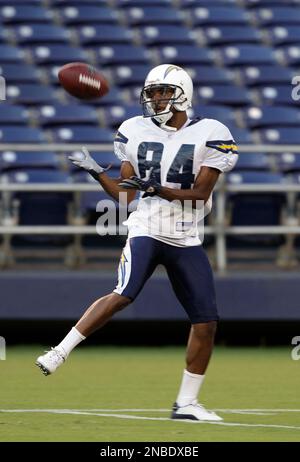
x=226, y=146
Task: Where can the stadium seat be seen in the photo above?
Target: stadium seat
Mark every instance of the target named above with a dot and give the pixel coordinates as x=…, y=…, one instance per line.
x=282, y=35
x=41, y=33
x=94, y=34
x=255, y=209
x=142, y=3
x=183, y=55
x=275, y=94
x=134, y=74
x=193, y=3
x=30, y=94
x=286, y=135
x=202, y=74
x=115, y=115
x=263, y=75
x=81, y=134
x=243, y=55
x=74, y=2
x=223, y=94
x=270, y=116
x=3, y=34
x=20, y=13
x=113, y=97
x=47, y=54
x=241, y=135
x=152, y=16
x=288, y=162
x=276, y=15
x=221, y=35
x=13, y=114
x=222, y=113
x=289, y=55
x=21, y=134
x=20, y=73
x=85, y=14
x=11, y=160
x=61, y=114
x=114, y=55
x=215, y=15
x=252, y=161
x=165, y=35
x=10, y=54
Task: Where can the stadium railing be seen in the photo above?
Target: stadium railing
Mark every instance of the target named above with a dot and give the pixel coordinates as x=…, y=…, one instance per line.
x=221, y=229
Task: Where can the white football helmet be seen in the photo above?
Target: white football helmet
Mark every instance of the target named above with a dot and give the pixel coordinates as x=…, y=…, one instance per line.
x=175, y=88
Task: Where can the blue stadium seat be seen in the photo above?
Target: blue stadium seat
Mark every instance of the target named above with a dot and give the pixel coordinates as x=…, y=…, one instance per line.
x=262, y=75
x=202, y=74
x=271, y=116
x=289, y=55
x=30, y=94
x=278, y=135
x=133, y=94
x=89, y=199
x=276, y=15
x=20, y=73
x=243, y=55
x=20, y=134
x=13, y=114
x=41, y=33
x=3, y=34
x=152, y=16
x=94, y=34
x=61, y=114
x=11, y=160
x=85, y=14
x=81, y=134
x=142, y=3
x=44, y=208
x=288, y=162
x=282, y=35
x=113, y=55
x=183, y=55
x=113, y=97
x=221, y=35
x=275, y=94
x=252, y=161
x=10, y=54
x=222, y=113
x=115, y=115
x=17, y=2
x=223, y=94
x=256, y=209
x=166, y=35
x=74, y=2
x=130, y=75
x=12, y=14
x=241, y=135
x=213, y=15
x=194, y=3
x=48, y=54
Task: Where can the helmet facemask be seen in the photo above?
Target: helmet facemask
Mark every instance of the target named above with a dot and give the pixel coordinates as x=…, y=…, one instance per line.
x=160, y=108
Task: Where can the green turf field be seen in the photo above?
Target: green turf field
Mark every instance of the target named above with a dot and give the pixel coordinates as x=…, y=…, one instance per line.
x=114, y=394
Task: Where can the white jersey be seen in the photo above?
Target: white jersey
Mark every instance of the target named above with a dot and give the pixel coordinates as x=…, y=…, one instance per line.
x=176, y=158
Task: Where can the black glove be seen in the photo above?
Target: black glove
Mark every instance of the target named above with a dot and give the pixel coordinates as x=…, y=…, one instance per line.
x=150, y=186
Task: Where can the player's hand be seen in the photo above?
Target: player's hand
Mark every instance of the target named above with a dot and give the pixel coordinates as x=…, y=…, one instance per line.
x=84, y=160
x=150, y=186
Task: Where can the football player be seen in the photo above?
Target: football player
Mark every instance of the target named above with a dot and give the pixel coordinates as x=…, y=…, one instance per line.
x=172, y=161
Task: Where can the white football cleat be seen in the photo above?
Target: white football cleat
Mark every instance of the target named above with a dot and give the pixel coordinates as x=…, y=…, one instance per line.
x=49, y=362
x=194, y=411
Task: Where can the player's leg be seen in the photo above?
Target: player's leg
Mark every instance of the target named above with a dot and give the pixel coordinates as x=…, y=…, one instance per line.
x=137, y=263
x=192, y=280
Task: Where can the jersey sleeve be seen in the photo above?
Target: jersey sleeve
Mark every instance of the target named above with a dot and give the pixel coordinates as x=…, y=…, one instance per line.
x=120, y=143
x=220, y=149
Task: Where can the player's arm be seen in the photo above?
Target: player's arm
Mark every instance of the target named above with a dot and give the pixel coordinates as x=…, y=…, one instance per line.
x=110, y=185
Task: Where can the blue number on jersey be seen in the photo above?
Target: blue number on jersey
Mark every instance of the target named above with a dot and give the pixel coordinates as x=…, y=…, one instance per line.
x=181, y=170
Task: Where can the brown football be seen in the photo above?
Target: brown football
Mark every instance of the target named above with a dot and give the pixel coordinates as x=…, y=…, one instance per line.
x=83, y=81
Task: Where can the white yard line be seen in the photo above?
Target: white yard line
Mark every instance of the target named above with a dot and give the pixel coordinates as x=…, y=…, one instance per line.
x=110, y=413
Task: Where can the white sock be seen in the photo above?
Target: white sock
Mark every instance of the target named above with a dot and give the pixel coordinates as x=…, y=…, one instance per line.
x=70, y=342
x=189, y=389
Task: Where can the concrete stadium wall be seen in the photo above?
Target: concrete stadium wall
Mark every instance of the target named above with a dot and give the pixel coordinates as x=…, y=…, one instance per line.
x=64, y=295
